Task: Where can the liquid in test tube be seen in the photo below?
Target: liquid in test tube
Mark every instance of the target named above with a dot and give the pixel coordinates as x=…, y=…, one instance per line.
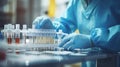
x=9, y=40
x=9, y=34
x=17, y=40
x=17, y=34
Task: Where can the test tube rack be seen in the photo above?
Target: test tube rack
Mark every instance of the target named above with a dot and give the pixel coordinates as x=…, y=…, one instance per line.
x=34, y=39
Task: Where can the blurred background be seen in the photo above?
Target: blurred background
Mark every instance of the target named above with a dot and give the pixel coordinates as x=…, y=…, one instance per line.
x=25, y=11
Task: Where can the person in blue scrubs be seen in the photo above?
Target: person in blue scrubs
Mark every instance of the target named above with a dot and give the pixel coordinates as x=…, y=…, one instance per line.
x=98, y=22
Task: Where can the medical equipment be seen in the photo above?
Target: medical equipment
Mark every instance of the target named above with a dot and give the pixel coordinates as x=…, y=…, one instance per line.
x=9, y=33
x=17, y=34
x=31, y=39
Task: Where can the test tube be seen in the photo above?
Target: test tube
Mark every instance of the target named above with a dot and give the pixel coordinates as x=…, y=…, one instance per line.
x=9, y=39
x=24, y=33
x=33, y=34
x=59, y=35
x=17, y=34
x=51, y=37
x=9, y=34
x=12, y=28
x=54, y=36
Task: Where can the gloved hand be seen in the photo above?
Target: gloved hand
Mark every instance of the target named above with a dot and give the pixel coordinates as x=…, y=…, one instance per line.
x=75, y=41
x=43, y=23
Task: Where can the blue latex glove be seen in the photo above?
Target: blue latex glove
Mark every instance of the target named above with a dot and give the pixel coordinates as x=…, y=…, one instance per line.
x=75, y=41
x=43, y=22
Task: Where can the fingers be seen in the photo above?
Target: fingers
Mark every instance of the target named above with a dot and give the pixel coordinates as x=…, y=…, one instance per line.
x=68, y=45
x=37, y=22
x=64, y=41
x=46, y=23
x=67, y=42
x=43, y=23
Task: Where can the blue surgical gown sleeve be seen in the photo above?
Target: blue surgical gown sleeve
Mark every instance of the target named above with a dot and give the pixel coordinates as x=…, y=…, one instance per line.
x=108, y=39
x=67, y=20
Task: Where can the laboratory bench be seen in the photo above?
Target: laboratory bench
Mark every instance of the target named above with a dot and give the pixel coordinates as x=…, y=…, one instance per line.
x=25, y=49
x=58, y=58
x=17, y=56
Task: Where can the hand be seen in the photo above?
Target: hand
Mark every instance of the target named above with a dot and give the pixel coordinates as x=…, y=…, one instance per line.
x=75, y=41
x=43, y=23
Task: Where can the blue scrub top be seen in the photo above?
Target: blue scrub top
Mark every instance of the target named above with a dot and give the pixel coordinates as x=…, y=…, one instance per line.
x=100, y=19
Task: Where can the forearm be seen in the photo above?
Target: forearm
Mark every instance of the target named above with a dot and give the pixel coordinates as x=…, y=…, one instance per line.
x=107, y=39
